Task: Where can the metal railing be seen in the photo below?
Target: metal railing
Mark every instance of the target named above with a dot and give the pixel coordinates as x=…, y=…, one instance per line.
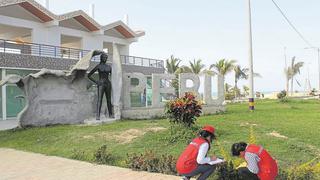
x=43, y=50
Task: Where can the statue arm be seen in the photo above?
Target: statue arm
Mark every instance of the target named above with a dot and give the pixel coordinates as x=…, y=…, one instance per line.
x=96, y=52
x=91, y=73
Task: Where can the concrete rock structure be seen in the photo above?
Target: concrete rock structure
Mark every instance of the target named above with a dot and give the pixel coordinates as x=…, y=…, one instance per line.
x=161, y=86
x=32, y=37
x=47, y=105
x=55, y=96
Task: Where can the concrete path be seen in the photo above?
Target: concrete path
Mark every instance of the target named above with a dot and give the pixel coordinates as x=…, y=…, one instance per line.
x=25, y=166
x=8, y=124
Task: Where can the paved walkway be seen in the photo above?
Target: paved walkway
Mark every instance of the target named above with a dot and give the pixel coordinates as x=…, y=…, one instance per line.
x=8, y=124
x=25, y=166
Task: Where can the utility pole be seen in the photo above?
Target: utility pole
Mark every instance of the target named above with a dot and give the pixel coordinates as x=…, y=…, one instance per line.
x=251, y=87
x=318, y=51
x=285, y=57
x=285, y=69
x=319, y=68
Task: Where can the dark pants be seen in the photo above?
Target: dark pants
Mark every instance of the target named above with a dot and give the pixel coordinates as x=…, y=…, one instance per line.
x=245, y=174
x=204, y=169
x=104, y=89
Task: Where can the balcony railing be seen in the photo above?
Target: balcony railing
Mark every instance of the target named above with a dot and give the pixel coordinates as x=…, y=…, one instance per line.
x=14, y=47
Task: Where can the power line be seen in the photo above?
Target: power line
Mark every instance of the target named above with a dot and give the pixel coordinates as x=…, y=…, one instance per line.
x=291, y=24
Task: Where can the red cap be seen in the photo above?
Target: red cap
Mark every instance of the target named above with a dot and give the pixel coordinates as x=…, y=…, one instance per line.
x=209, y=128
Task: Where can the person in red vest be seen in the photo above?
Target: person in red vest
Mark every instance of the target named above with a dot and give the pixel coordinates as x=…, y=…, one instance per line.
x=194, y=160
x=260, y=164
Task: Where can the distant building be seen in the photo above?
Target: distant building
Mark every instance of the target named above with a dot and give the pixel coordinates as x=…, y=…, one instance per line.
x=32, y=38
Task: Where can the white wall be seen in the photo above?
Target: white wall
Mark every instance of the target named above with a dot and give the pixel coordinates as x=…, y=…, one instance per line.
x=91, y=42
x=124, y=49
x=46, y=35
x=49, y=33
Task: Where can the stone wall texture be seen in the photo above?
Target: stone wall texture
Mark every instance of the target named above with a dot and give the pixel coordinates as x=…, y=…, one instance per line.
x=46, y=105
x=37, y=62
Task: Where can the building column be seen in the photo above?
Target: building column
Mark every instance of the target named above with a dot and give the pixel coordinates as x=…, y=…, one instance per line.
x=4, y=96
x=116, y=80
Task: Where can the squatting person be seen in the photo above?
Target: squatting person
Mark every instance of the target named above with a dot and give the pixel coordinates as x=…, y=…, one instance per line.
x=260, y=164
x=194, y=160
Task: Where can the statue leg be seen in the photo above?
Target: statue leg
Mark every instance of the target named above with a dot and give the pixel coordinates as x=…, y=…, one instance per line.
x=108, y=97
x=99, y=101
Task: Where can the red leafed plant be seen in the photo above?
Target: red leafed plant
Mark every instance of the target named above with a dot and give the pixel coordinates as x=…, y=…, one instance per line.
x=184, y=110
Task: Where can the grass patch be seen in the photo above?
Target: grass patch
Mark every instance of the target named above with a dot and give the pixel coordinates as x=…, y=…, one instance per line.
x=297, y=120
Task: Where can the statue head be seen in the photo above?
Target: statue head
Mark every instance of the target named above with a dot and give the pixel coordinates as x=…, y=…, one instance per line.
x=103, y=58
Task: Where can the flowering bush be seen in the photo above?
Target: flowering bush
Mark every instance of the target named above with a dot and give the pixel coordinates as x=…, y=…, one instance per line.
x=184, y=110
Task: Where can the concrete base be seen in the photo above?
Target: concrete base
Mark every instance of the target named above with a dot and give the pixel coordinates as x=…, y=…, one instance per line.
x=142, y=113
x=208, y=110
x=103, y=120
x=152, y=113
x=8, y=124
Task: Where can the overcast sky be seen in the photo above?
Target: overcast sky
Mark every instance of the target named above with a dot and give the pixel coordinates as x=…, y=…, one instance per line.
x=215, y=29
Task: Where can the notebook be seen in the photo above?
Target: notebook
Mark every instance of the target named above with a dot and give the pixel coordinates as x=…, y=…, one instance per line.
x=217, y=161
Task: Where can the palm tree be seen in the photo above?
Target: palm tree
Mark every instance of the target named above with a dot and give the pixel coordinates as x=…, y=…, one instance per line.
x=239, y=73
x=223, y=66
x=246, y=90
x=227, y=88
x=173, y=67
x=172, y=64
x=294, y=70
x=195, y=66
x=287, y=72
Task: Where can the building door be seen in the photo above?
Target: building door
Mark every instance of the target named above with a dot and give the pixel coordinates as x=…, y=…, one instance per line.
x=12, y=98
x=15, y=100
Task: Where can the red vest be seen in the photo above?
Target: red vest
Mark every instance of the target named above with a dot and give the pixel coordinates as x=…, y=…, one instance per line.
x=268, y=168
x=187, y=161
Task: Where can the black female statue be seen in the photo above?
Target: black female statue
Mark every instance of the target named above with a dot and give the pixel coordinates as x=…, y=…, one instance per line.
x=103, y=84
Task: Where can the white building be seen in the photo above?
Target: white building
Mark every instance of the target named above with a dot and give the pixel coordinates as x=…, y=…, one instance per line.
x=32, y=37
x=28, y=21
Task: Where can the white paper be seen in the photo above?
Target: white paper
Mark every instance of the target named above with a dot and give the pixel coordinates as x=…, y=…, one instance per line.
x=217, y=161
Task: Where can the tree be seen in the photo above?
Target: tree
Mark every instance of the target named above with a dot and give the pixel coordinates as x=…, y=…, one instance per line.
x=195, y=66
x=223, y=66
x=227, y=87
x=246, y=90
x=173, y=67
x=172, y=64
x=239, y=73
x=287, y=71
x=292, y=71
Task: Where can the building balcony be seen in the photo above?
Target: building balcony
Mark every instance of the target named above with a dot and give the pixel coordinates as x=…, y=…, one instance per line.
x=26, y=55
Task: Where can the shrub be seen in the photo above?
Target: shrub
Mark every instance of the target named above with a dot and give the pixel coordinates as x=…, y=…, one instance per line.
x=78, y=155
x=229, y=96
x=184, y=110
x=313, y=92
x=307, y=171
x=102, y=156
x=282, y=96
x=151, y=162
x=181, y=133
x=226, y=171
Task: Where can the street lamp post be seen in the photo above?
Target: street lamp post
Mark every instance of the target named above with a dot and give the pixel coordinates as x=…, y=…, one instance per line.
x=318, y=51
x=319, y=68
x=251, y=87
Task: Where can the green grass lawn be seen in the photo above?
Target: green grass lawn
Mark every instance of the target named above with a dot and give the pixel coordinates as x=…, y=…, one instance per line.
x=298, y=121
